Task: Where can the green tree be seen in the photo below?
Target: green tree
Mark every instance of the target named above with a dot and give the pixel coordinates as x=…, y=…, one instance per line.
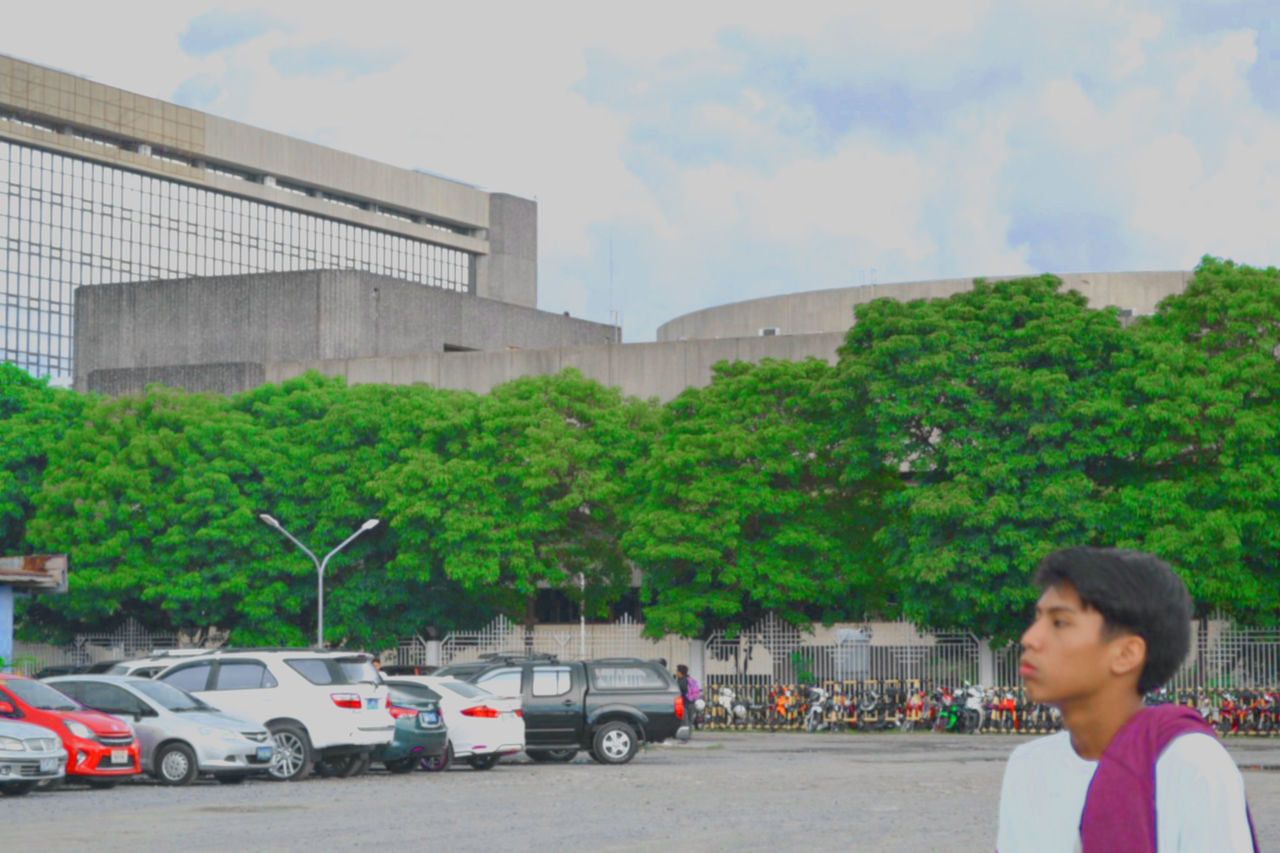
x=524, y=489
x=146, y=497
x=33, y=417
x=323, y=447
x=996, y=410
x=1204, y=419
x=740, y=510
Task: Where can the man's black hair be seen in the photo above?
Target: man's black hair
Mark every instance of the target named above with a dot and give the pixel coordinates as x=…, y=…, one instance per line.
x=1136, y=593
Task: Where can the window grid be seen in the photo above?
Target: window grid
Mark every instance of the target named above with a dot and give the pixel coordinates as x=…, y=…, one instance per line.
x=67, y=222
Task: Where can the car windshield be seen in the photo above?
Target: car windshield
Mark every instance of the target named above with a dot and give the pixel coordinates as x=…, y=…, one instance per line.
x=169, y=697
x=358, y=669
x=41, y=696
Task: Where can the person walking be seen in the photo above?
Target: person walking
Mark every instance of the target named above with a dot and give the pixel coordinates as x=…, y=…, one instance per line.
x=1110, y=626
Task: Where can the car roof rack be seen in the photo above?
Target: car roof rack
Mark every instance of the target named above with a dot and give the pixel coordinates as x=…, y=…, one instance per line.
x=517, y=657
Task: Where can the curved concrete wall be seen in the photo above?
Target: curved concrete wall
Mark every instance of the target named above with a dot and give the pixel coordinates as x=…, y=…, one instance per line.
x=819, y=311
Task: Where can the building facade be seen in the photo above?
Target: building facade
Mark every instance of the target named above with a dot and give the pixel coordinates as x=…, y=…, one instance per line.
x=99, y=185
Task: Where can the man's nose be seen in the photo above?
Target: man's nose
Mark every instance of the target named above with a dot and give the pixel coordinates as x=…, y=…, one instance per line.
x=1030, y=636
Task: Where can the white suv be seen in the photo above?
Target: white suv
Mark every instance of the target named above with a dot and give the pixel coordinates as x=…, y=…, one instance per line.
x=320, y=706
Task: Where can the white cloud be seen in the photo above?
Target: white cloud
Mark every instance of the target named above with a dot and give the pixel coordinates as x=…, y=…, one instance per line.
x=733, y=150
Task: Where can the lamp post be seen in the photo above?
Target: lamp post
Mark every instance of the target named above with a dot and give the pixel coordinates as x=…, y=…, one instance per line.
x=320, y=564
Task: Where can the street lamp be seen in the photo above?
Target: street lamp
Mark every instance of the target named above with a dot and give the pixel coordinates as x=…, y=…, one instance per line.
x=320, y=564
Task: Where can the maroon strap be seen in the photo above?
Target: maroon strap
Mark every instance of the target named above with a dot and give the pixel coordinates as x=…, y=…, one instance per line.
x=1120, y=809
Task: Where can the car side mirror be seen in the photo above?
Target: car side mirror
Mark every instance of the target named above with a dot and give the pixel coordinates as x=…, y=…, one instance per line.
x=7, y=709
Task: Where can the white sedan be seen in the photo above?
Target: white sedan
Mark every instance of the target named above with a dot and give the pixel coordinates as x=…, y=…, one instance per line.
x=482, y=727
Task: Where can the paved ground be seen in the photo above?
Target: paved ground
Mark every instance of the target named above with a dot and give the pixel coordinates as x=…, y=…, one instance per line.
x=723, y=791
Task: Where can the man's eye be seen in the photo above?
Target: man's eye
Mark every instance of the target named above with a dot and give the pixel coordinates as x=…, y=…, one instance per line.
x=1058, y=623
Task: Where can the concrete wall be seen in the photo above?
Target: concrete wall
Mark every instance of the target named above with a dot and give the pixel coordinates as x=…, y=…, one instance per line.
x=833, y=310
x=661, y=370
x=509, y=273
x=319, y=315
x=219, y=378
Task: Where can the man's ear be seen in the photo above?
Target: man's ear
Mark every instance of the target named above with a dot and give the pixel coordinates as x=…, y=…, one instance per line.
x=1128, y=655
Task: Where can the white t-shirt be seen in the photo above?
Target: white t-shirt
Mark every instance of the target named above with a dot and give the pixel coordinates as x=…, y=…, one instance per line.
x=1200, y=803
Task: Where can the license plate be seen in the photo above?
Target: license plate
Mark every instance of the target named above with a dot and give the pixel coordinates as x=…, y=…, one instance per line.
x=264, y=753
x=119, y=756
x=48, y=765
x=372, y=704
x=429, y=718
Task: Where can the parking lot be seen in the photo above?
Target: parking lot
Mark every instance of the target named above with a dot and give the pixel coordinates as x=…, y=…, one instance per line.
x=722, y=791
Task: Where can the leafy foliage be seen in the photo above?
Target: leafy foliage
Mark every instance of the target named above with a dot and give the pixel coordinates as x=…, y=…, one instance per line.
x=993, y=406
x=925, y=474
x=740, y=509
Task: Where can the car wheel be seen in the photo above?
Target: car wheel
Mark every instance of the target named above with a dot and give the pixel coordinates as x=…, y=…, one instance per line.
x=483, y=762
x=16, y=789
x=438, y=763
x=559, y=756
x=615, y=743
x=175, y=764
x=231, y=778
x=101, y=784
x=292, y=757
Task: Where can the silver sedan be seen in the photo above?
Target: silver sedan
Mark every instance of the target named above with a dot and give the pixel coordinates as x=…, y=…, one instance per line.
x=30, y=755
x=179, y=735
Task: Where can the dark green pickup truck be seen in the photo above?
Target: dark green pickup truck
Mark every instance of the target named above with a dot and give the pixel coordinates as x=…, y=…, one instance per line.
x=607, y=706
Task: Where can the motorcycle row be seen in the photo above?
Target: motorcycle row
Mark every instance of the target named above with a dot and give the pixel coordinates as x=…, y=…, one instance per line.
x=907, y=705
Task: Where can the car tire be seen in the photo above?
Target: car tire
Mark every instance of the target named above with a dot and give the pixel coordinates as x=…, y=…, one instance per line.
x=483, y=762
x=615, y=743
x=438, y=763
x=101, y=784
x=292, y=758
x=557, y=756
x=16, y=789
x=231, y=778
x=175, y=764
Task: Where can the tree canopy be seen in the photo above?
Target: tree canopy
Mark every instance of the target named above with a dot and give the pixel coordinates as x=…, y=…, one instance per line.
x=953, y=443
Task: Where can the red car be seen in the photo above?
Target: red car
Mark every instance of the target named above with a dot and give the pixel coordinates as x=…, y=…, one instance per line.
x=100, y=748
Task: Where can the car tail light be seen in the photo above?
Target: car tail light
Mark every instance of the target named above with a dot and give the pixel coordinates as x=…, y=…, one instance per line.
x=679, y=707
x=520, y=712
x=399, y=712
x=346, y=700
x=480, y=711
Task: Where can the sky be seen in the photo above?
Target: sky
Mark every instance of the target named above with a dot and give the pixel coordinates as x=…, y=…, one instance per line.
x=685, y=155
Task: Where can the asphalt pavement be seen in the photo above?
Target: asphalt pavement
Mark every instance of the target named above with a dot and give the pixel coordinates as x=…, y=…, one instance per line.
x=721, y=791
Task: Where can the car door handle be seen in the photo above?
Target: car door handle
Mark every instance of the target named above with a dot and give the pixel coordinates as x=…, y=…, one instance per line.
x=567, y=702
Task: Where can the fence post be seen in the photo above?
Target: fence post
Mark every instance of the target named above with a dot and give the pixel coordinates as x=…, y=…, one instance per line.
x=698, y=659
x=986, y=662
x=6, y=628
x=434, y=654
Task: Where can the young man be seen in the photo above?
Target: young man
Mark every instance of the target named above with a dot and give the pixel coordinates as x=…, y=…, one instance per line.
x=1111, y=625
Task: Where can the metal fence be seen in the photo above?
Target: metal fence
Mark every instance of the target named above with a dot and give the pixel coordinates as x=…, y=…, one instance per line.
x=1225, y=655
x=130, y=640
x=624, y=638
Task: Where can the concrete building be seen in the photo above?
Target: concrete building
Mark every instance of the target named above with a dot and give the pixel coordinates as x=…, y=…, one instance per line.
x=193, y=335
x=99, y=185
x=822, y=311
x=225, y=333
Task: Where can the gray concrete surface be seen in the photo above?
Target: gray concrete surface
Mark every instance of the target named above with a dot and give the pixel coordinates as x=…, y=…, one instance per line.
x=661, y=370
x=832, y=310
x=723, y=791
x=315, y=315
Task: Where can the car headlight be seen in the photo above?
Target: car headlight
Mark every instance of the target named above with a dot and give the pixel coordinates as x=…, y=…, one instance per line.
x=79, y=729
x=13, y=744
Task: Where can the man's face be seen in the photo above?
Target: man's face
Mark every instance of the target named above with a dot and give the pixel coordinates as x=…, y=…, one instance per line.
x=1065, y=654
